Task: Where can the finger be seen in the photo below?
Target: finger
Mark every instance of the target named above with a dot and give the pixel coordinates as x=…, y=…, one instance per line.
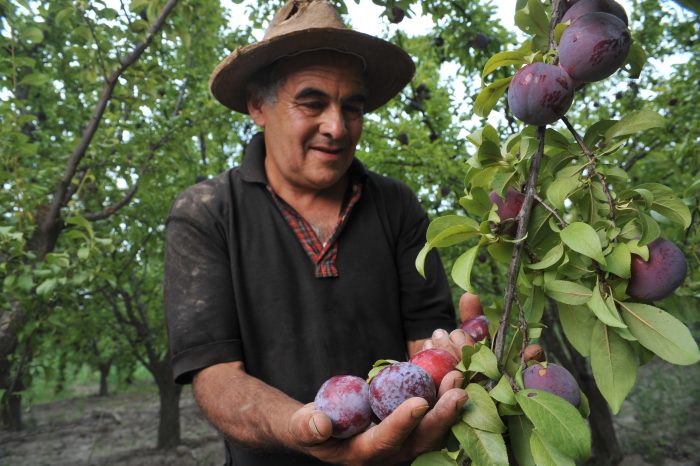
x=458, y=339
x=469, y=306
x=310, y=427
x=453, y=379
x=441, y=339
x=533, y=352
x=429, y=434
x=390, y=435
x=427, y=344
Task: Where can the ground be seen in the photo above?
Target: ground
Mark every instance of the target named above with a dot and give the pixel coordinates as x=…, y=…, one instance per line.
x=657, y=426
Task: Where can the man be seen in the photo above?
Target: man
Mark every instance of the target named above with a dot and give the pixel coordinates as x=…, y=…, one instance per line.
x=299, y=264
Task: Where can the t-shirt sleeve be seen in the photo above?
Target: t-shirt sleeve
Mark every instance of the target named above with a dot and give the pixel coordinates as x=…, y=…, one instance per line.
x=426, y=303
x=198, y=294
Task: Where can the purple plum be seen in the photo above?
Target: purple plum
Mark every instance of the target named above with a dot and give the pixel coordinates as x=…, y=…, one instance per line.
x=345, y=400
x=397, y=383
x=594, y=46
x=589, y=6
x=553, y=379
x=658, y=277
x=540, y=94
x=477, y=328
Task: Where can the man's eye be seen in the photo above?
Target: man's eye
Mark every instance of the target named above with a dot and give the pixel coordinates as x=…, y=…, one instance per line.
x=354, y=111
x=314, y=105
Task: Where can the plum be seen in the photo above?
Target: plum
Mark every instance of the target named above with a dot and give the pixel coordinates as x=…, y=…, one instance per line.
x=589, y=6
x=553, y=379
x=345, y=400
x=540, y=94
x=533, y=352
x=594, y=46
x=508, y=208
x=477, y=327
x=437, y=362
x=658, y=277
x=397, y=383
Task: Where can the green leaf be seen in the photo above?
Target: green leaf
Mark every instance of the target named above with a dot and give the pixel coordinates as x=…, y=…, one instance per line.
x=46, y=287
x=635, y=122
x=636, y=59
x=434, y=458
x=484, y=448
x=558, y=421
x=650, y=229
x=34, y=79
x=480, y=411
x=445, y=222
x=485, y=361
x=503, y=59
x=33, y=34
x=568, y=292
x=546, y=454
x=503, y=392
x=614, y=365
x=560, y=189
x=532, y=19
x=420, y=259
x=489, y=96
x=551, y=258
x=673, y=209
x=520, y=431
x=462, y=269
x=660, y=332
x=453, y=235
x=619, y=261
x=606, y=314
x=582, y=238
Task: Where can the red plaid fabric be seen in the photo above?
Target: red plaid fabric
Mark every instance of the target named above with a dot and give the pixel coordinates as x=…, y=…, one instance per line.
x=322, y=256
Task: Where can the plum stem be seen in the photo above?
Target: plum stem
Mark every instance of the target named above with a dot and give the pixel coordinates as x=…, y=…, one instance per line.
x=551, y=210
x=522, y=220
x=592, y=167
x=558, y=9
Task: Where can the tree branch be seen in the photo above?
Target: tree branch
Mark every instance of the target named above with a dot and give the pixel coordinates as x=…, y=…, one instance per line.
x=523, y=219
x=57, y=203
x=592, y=164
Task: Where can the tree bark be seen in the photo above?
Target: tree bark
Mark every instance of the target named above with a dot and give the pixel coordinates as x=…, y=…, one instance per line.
x=169, y=393
x=104, y=374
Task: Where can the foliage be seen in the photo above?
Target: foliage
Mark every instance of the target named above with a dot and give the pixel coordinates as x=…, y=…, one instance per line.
x=574, y=248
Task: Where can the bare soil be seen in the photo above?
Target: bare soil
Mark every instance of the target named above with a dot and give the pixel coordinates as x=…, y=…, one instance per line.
x=657, y=426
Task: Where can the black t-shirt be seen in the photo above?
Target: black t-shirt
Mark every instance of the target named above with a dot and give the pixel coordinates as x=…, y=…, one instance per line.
x=239, y=286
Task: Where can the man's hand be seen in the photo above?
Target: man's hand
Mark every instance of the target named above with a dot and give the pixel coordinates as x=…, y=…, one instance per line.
x=413, y=428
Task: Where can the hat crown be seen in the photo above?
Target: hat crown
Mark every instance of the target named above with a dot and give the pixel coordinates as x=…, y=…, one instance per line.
x=297, y=15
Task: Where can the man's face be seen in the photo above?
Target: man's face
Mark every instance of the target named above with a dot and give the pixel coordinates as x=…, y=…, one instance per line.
x=312, y=128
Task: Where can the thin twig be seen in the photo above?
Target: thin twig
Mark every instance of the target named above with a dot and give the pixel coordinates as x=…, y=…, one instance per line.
x=551, y=210
x=522, y=219
x=592, y=168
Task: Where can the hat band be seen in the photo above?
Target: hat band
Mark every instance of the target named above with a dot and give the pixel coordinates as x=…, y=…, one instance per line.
x=346, y=52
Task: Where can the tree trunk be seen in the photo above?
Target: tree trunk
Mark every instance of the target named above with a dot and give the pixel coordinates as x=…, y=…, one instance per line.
x=606, y=448
x=169, y=392
x=104, y=373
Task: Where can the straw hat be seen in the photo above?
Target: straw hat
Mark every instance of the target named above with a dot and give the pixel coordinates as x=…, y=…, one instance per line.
x=307, y=25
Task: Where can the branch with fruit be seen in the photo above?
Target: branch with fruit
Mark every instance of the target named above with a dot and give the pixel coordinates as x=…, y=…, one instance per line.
x=592, y=248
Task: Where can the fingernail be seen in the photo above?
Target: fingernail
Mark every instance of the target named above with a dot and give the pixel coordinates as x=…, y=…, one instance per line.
x=439, y=333
x=428, y=344
x=458, y=337
x=314, y=427
x=458, y=382
x=460, y=402
x=419, y=411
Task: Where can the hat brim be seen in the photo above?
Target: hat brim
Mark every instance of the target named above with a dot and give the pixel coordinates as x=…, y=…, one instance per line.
x=388, y=67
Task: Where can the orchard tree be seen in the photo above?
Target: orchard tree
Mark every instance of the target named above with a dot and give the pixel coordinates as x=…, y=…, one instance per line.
x=584, y=235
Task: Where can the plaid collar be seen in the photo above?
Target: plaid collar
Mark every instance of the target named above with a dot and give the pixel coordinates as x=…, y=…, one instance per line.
x=323, y=256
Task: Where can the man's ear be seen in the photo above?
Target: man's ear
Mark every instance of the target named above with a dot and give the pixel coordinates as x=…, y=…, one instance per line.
x=255, y=111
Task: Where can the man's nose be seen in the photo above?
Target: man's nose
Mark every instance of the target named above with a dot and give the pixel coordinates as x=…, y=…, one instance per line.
x=333, y=123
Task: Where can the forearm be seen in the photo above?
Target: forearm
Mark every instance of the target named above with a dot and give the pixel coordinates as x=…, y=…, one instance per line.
x=244, y=408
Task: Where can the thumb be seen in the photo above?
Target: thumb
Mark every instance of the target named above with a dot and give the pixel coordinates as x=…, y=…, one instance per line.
x=310, y=427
